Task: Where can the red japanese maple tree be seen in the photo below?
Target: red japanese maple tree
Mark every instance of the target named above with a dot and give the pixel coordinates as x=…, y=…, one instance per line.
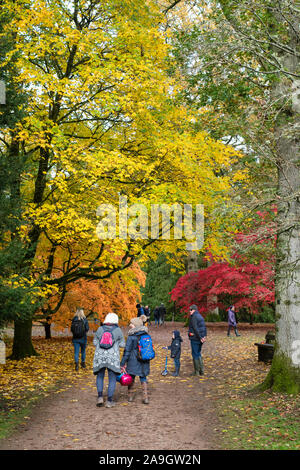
x=248, y=278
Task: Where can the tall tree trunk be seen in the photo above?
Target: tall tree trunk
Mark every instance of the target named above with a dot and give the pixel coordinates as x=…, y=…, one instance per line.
x=284, y=375
x=192, y=262
x=22, y=345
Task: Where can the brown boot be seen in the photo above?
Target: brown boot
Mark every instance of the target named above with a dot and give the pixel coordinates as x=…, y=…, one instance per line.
x=145, y=393
x=131, y=392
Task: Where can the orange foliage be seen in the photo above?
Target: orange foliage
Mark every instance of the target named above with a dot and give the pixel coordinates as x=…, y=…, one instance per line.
x=118, y=294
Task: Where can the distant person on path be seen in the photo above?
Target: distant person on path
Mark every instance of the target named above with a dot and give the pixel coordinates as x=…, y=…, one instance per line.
x=108, y=340
x=162, y=313
x=148, y=314
x=232, y=321
x=197, y=336
x=175, y=349
x=156, y=316
x=140, y=310
x=130, y=361
x=79, y=328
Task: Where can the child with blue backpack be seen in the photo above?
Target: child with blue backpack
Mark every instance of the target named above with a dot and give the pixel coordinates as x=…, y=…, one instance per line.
x=175, y=349
x=132, y=361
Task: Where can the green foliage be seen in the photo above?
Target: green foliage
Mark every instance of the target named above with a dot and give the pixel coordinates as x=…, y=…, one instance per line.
x=212, y=317
x=14, y=302
x=159, y=282
x=266, y=315
x=13, y=111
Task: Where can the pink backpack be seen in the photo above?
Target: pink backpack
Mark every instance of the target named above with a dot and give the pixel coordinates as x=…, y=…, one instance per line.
x=107, y=341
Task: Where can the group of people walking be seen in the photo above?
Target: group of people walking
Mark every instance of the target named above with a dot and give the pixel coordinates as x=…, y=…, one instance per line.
x=109, y=338
x=159, y=313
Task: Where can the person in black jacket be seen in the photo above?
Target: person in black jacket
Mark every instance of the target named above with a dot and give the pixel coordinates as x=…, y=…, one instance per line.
x=197, y=336
x=148, y=314
x=175, y=349
x=79, y=328
x=162, y=313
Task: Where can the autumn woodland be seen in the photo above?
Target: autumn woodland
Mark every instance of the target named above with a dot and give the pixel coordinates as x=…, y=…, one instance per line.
x=188, y=107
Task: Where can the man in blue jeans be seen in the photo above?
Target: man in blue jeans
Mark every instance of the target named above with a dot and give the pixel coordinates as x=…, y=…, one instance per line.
x=197, y=336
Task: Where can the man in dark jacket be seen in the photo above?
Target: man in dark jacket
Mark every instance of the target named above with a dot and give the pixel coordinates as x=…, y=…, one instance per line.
x=197, y=336
x=162, y=313
x=148, y=314
x=156, y=316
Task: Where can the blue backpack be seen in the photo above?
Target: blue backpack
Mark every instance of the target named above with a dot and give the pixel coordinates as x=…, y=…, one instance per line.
x=145, y=348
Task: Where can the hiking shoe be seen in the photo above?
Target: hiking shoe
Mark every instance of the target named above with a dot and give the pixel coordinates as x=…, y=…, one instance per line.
x=110, y=404
x=145, y=393
x=100, y=401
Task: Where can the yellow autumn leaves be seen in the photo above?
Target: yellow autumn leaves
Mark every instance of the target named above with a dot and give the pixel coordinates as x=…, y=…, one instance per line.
x=102, y=119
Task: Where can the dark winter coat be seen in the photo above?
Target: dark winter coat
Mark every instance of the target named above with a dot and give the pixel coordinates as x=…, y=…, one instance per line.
x=197, y=327
x=175, y=346
x=162, y=311
x=147, y=312
x=156, y=313
x=141, y=311
x=86, y=327
x=134, y=366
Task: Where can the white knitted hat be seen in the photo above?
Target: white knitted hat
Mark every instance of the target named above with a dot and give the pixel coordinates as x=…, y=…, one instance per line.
x=111, y=318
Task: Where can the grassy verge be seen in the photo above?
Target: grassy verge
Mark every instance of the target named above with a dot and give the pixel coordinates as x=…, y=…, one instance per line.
x=264, y=422
x=9, y=420
x=14, y=412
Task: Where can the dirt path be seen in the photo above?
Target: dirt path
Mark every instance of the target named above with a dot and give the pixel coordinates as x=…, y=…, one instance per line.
x=181, y=414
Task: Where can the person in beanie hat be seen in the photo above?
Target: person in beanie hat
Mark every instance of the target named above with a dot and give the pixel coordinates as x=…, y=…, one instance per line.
x=197, y=336
x=108, y=357
x=175, y=349
x=130, y=362
x=232, y=321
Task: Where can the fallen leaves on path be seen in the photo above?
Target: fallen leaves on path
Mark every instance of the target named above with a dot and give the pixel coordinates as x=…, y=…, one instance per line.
x=232, y=364
x=231, y=369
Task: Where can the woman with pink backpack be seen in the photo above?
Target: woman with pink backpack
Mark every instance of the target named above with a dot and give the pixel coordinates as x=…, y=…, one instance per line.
x=108, y=340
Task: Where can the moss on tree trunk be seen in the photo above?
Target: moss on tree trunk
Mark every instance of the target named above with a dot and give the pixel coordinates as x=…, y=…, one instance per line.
x=283, y=377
